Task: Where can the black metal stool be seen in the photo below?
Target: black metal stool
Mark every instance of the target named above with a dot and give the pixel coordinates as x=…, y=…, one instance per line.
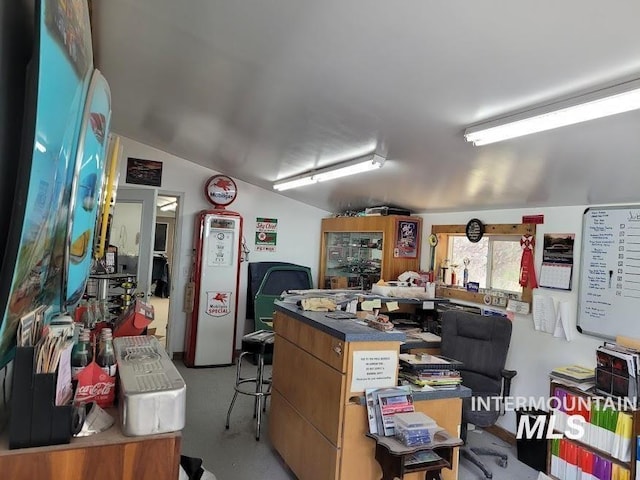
x=259, y=344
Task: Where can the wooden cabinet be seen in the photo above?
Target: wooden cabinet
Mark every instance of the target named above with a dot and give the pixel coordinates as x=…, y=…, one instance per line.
x=316, y=423
x=104, y=456
x=359, y=251
x=604, y=424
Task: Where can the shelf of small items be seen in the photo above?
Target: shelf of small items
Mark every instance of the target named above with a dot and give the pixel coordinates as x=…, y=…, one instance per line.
x=114, y=291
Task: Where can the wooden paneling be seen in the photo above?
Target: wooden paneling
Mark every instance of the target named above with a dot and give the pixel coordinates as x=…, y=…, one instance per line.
x=304, y=449
x=319, y=344
x=312, y=387
x=387, y=225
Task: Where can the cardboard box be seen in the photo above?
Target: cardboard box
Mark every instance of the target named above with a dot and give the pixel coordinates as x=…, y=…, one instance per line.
x=133, y=320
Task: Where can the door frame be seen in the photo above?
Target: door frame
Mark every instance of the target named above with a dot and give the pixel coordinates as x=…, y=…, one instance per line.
x=175, y=265
x=147, y=197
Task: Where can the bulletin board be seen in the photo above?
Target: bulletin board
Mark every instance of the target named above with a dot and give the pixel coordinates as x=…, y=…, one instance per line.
x=609, y=298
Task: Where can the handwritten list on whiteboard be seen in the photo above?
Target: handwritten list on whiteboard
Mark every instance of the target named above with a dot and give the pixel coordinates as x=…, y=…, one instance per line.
x=609, y=300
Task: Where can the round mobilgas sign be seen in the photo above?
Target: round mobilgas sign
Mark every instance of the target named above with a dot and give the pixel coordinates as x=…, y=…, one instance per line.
x=220, y=190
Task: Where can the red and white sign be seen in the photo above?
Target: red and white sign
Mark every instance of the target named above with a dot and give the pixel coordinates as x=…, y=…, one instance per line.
x=218, y=303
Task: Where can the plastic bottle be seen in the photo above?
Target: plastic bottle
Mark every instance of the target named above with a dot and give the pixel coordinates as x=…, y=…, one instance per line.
x=94, y=306
x=104, y=310
x=106, y=357
x=86, y=316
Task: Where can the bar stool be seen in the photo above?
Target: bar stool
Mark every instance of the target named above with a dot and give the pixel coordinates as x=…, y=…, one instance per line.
x=259, y=343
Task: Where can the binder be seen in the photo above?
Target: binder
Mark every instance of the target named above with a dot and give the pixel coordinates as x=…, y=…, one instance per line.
x=429, y=362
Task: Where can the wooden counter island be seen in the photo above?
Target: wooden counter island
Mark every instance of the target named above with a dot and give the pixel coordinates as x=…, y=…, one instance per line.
x=317, y=423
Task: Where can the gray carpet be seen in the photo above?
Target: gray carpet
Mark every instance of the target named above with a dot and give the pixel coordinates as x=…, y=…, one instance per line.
x=234, y=454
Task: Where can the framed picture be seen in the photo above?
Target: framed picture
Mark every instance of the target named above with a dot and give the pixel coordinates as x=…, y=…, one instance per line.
x=406, y=239
x=144, y=172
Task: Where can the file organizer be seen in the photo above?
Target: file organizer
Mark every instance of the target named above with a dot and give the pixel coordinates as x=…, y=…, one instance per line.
x=607, y=451
x=35, y=419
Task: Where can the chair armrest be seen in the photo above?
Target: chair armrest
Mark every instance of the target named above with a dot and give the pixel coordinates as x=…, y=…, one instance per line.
x=507, y=375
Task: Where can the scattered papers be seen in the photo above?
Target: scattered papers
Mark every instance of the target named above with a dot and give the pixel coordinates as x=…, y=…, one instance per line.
x=320, y=304
x=553, y=316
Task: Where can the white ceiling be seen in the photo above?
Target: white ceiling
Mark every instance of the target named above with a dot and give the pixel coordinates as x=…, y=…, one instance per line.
x=265, y=89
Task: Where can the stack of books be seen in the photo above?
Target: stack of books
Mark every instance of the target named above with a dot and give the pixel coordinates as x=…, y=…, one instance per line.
x=574, y=373
x=432, y=371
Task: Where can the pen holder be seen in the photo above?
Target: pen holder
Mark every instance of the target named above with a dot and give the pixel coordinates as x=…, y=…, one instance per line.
x=35, y=420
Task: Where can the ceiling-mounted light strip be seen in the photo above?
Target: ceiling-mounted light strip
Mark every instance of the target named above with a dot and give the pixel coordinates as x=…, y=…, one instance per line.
x=342, y=169
x=602, y=103
x=169, y=206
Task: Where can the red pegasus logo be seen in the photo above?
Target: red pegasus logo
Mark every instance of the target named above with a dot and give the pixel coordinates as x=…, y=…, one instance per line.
x=218, y=303
x=223, y=184
x=221, y=297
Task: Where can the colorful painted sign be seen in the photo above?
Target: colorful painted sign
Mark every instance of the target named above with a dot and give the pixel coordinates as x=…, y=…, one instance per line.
x=266, y=234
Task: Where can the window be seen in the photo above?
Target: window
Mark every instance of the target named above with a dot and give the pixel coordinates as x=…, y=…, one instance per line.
x=160, y=240
x=494, y=261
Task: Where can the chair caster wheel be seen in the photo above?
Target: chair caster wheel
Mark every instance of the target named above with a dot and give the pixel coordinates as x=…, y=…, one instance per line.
x=503, y=462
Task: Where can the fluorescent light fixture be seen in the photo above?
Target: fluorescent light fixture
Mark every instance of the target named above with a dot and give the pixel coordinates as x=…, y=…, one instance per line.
x=342, y=169
x=169, y=206
x=602, y=103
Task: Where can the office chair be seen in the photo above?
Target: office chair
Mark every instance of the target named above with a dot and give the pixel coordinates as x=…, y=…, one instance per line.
x=481, y=343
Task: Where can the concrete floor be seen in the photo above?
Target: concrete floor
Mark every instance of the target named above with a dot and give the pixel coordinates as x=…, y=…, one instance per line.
x=234, y=454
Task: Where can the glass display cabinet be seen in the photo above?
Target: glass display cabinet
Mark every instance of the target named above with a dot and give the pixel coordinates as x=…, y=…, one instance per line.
x=353, y=259
x=356, y=252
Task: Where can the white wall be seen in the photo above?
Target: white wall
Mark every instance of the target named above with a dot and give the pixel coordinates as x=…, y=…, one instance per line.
x=298, y=238
x=532, y=353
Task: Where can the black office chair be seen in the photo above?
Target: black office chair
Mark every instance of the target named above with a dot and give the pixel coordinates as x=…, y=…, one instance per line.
x=481, y=343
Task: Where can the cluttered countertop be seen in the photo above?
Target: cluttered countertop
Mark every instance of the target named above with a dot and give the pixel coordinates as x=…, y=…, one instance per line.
x=335, y=313
x=346, y=329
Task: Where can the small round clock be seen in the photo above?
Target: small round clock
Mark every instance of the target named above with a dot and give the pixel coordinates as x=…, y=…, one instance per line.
x=474, y=230
x=220, y=190
x=433, y=239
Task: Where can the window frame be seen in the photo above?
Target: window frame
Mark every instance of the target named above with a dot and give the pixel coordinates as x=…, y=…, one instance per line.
x=497, y=230
x=489, y=271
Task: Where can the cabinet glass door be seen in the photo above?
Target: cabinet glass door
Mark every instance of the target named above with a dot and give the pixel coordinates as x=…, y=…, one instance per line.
x=353, y=259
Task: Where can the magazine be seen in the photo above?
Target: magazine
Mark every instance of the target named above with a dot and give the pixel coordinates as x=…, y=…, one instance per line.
x=425, y=456
x=388, y=402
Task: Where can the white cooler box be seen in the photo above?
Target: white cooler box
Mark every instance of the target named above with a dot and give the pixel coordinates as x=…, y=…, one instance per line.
x=152, y=395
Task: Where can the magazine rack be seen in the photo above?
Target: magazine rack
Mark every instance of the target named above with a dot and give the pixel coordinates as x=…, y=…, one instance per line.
x=35, y=419
x=392, y=454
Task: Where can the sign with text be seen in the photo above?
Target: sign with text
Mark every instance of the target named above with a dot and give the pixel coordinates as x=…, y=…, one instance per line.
x=374, y=369
x=266, y=234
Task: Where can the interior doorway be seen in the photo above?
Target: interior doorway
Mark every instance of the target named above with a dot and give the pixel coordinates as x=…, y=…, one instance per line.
x=163, y=265
x=145, y=231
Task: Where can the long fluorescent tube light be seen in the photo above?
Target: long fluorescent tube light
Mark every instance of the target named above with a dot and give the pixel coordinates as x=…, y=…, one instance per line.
x=342, y=169
x=602, y=103
x=169, y=206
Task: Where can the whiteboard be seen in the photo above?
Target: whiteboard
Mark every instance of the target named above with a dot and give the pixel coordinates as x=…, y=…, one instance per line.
x=609, y=299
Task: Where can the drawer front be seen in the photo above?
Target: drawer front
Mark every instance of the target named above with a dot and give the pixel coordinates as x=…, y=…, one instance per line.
x=312, y=387
x=301, y=446
x=321, y=345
